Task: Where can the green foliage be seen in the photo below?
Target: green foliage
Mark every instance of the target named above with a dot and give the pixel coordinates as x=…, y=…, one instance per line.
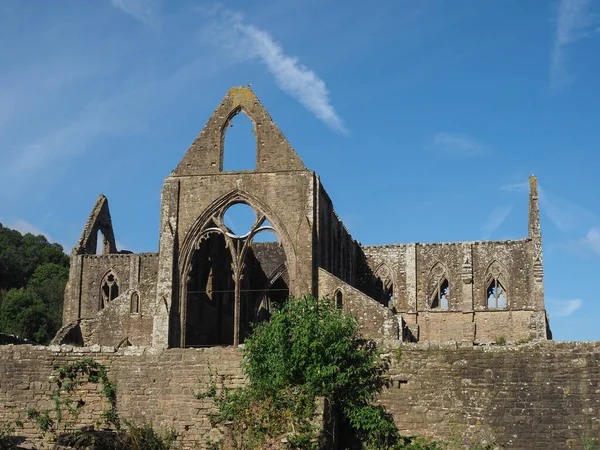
x=59, y=422
x=314, y=347
x=131, y=437
x=63, y=416
x=33, y=275
x=589, y=443
x=310, y=349
x=7, y=438
x=500, y=340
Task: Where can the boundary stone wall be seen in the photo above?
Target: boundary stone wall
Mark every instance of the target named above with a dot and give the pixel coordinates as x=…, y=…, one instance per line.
x=533, y=396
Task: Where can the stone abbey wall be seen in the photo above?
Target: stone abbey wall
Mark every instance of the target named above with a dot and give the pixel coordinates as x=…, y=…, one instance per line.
x=532, y=396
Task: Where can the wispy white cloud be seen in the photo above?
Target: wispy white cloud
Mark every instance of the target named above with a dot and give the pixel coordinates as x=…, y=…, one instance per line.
x=565, y=214
x=574, y=21
x=564, y=308
x=24, y=227
x=494, y=220
x=292, y=77
x=516, y=187
x=145, y=11
x=592, y=240
x=458, y=144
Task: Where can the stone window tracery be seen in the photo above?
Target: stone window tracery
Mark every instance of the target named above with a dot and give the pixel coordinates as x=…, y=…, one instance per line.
x=109, y=289
x=439, y=288
x=496, y=293
x=439, y=297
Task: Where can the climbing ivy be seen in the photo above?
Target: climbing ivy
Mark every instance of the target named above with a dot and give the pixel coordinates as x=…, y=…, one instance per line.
x=66, y=409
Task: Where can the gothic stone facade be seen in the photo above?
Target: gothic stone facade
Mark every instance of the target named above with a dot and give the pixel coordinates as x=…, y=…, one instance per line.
x=206, y=284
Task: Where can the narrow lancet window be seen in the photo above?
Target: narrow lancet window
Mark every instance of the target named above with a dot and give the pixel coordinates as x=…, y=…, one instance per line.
x=135, y=303
x=338, y=299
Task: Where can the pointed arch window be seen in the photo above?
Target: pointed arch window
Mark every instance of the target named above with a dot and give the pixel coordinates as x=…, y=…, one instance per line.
x=109, y=289
x=439, y=288
x=440, y=294
x=496, y=293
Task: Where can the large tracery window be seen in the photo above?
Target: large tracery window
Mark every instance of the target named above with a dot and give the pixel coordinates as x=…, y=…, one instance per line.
x=439, y=297
x=109, y=289
x=236, y=274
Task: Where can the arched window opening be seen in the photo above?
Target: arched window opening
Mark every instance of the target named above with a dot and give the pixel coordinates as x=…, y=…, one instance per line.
x=496, y=294
x=239, y=218
x=239, y=144
x=109, y=289
x=266, y=235
x=99, y=243
x=339, y=298
x=389, y=294
x=265, y=285
x=135, y=303
x=237, y=277
x=210, y=295
x=439, y=298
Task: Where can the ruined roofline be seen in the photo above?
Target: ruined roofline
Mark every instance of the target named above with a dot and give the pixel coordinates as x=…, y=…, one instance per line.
x=124, y=255
x=273, y=151
x=335, y=214
x=174, y=174
x=424, y=244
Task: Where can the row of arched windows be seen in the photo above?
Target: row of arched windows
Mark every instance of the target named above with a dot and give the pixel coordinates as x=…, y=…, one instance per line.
x=109, y=290
x=496, y=296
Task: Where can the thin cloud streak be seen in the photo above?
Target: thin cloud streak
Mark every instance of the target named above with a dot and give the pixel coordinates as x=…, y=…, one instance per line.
x=292, y=77
x=495, y=219
x=459, y=145
x=564, y=308
x=573, y=23
x=144, y=11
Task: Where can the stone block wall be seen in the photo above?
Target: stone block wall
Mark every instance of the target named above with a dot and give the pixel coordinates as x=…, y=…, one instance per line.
x=152, y=387
x=533, y=396
x=133, y=271
x=415, y=269
x=375, y=320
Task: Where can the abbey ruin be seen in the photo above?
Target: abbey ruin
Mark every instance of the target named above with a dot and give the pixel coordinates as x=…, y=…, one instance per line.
x=206, y=285
x=464, y=324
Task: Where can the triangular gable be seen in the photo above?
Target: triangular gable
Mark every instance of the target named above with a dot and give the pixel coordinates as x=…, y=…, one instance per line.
x=273, y=151
x=99, y=220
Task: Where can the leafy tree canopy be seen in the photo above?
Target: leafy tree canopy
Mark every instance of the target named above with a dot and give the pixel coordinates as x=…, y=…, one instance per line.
x=33, y=275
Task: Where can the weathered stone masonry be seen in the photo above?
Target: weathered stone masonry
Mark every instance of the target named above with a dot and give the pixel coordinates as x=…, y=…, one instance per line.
x=207, y=285
x=533, y=396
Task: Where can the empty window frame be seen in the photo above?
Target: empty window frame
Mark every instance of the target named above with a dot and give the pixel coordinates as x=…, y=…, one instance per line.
x=496, y=294
x=440, y=295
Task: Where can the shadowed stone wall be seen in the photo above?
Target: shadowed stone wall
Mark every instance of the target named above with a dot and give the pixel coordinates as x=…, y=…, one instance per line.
x=533, y=396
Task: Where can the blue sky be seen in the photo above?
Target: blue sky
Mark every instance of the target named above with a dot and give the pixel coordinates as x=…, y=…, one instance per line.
x=423, y=119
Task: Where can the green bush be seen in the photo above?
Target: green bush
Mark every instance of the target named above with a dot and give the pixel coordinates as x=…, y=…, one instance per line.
x=309, y=349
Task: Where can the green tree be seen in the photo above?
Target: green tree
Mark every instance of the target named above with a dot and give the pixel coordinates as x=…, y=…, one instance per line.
x=23, y=313
x=33, y=275
x=310, y=348
x=48, y=282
